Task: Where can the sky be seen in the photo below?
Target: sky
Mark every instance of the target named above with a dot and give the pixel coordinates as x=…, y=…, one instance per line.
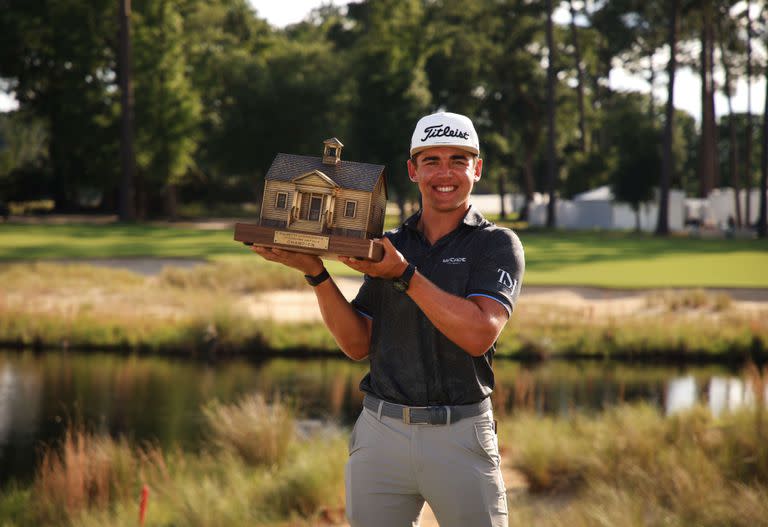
x=687, y=85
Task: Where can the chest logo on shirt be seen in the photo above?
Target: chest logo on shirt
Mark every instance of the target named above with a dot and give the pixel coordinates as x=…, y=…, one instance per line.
x=506, y=279
x=454, y=261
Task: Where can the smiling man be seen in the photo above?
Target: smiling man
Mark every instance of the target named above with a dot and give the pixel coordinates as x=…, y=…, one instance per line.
x=427, y=317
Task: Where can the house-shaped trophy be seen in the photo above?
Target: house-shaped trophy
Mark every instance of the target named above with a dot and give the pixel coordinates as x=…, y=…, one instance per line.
x=321, y=205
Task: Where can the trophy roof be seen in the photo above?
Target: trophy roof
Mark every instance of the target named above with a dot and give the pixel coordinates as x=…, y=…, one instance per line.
x=347, y=174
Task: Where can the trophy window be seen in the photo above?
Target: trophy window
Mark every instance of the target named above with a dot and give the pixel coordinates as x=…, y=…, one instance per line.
x=350, y=208
x=281, y=202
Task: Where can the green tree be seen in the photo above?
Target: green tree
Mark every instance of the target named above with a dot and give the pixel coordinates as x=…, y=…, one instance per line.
x=388, y=50
x=58, y=58
x=637, y=151
x=225, y=47
x=22, y=142
x=485, y=61
x=167, y=107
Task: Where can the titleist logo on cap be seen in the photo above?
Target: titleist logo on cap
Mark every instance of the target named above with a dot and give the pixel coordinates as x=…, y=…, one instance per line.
x=439, y=130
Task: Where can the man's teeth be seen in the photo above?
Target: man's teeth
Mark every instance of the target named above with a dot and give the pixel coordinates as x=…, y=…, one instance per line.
x=445, y=189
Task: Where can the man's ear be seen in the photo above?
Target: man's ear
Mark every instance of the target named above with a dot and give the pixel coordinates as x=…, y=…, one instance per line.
x=478, y=169
x=412, y=172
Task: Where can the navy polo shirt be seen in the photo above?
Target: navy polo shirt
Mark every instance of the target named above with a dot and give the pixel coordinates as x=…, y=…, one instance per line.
x=411, y=361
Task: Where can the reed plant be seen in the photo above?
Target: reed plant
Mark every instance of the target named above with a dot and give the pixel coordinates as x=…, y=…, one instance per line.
x=88, y=471
x=633, y=466
x=677, y=300
x=254, y=470
x=629, y=466
x=258, y=432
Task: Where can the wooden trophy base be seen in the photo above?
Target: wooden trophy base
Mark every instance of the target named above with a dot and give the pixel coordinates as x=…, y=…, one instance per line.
x=326, y=245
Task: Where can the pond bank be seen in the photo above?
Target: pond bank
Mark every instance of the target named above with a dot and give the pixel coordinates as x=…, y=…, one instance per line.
x=239, y=309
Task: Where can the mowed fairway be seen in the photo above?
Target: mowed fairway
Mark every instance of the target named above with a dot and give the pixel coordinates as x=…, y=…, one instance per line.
x=617, y=260
x=641, y=261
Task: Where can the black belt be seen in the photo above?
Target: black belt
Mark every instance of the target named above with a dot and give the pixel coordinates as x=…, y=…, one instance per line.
x=426, y=415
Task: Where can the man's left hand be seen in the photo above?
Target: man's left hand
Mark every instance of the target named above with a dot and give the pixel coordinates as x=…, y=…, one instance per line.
x=392, y=265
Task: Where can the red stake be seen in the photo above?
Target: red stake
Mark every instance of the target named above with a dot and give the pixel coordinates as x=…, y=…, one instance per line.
x=143, y=504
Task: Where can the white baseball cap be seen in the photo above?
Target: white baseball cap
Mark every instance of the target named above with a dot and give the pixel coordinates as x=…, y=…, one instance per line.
x=445, y=129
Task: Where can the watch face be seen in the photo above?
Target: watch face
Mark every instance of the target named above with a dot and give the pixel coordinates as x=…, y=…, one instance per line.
x=400, y=285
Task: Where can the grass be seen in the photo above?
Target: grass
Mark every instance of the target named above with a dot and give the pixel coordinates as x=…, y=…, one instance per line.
x=257, y=432
x=601, y=259
x=94, y=480
x=702, y=332
x=205, y=310
x=633, y=466
x=626, y=466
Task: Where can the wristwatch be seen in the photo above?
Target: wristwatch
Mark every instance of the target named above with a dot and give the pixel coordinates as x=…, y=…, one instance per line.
x=318, y=279
x=404, y=280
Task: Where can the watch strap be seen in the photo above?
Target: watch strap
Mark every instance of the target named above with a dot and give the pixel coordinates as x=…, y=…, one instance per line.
x=318, y=279
x=402, y=282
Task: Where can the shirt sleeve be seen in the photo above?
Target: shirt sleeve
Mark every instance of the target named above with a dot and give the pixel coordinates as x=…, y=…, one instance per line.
x=364, y=301
x=498, y=272
x=368, y=297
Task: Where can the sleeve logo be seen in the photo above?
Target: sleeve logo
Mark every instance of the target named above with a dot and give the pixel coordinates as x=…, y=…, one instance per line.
x=506, y=279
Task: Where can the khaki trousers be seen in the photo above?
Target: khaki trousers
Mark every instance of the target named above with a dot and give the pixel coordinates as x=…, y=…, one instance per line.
x=394, y=467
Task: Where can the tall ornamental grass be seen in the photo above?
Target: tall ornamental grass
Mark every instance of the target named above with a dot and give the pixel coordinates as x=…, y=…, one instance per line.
x=631, y=466
x=254, y=470
x=258, y=432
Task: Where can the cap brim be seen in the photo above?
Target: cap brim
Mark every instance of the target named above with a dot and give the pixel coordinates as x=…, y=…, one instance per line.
x=470, y=149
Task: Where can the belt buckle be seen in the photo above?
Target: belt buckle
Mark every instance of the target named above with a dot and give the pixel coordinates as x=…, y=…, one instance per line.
x=407, y=414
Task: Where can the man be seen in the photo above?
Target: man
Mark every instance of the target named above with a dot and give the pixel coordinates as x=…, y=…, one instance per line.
x=427, y=317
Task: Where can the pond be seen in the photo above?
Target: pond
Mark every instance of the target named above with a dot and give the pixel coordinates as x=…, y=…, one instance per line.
x=160, y=399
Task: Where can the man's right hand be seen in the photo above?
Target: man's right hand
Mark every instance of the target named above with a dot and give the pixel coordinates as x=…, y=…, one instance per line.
x=308, y=264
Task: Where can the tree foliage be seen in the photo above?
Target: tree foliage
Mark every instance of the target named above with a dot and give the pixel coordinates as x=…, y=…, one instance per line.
x=219, y=92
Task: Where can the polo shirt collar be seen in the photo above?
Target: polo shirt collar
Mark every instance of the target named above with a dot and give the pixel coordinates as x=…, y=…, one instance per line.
x=473, y=218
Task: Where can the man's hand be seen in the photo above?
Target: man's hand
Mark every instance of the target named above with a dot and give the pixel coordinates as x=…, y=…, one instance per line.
x=308, y=264
x=392, y=265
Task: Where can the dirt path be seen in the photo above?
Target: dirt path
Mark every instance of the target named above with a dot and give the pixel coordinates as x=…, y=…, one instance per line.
x=294, y=306
x=300, y=305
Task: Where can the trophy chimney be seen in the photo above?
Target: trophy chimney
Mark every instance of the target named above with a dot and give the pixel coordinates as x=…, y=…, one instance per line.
x=332, y=151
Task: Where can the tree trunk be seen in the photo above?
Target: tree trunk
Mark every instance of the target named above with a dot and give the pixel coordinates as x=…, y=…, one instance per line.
x=171, y=202
x=528, y=184
x=662, y=223
x=748, y=145
x=637, y=217
x=583, y=146
x=652, y=83
x=711, y=102
x=733, y=152
x=707, y=143
x=127, y=206
x=60, y=172
x=400, y=199
x=551, y=160
x=762, y=222
x=502, y=192
x=141, y=196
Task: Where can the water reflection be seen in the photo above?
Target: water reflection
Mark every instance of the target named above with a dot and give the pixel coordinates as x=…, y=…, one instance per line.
x=158, y=399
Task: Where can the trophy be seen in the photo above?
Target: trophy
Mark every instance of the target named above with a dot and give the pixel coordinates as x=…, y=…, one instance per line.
x=321, y=205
